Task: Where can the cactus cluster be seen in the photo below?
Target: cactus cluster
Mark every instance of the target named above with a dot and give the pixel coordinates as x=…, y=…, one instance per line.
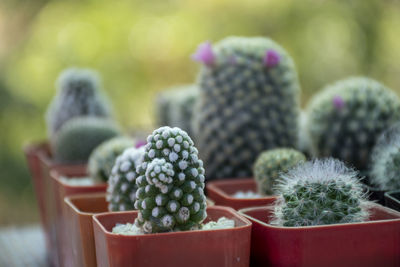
x=271, y=163
x=121, y=190
x=79, y=136
x=170, y=195
x=320, y=192
x=385, y=160
x=346, y=118
x=248, y=103
x=102, y=159
x=175, y=107
x=78, y=94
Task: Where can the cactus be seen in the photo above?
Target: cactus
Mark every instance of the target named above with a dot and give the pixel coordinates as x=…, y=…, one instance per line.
x=249, y=102
x=170, y=195
x=385, y=163
x=79, y=136
x=175, y=107
x=271, y=163
x=78, y=94
x=320, y=192
x=346, y=118
x=102, y=159
x=121, y=190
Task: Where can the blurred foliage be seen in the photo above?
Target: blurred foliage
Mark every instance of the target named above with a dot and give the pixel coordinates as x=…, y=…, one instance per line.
x=141, y=47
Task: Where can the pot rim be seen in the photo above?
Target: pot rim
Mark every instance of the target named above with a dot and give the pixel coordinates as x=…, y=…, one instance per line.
x=69, y=202
x=389, y=195
x=247, y=224
x=57, y=174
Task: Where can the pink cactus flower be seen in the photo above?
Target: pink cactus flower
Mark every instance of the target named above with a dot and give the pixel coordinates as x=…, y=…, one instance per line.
x=140, y=143
x=204, y=54
x=338, y=102
x=271, y=58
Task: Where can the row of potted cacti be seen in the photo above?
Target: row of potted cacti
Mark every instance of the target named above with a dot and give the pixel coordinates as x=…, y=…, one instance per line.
x=244, y=116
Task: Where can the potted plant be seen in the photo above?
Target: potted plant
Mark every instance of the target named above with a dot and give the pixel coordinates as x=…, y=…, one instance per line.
x=171, y=209
x=240, y=193
x=323, y=218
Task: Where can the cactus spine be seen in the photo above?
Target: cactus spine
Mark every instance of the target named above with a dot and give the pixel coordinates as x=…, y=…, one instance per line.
x=170, y=195
x=320, y=192
x=271, y=163
x=346, y=118
x=249, y=102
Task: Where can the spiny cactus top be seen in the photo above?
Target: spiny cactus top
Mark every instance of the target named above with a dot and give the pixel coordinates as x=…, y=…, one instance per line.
x=121, y=190
x=320, y=192
x=346, y=118
x=385, y=163
x=271, y=163
x=175, y=107
x=79, y=136
x=102, y=159
x=170, y=195
x=78, y=94
x=249, y=102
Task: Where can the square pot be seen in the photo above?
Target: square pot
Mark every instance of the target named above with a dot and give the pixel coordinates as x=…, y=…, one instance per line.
x=57, y=211
x=221, y=193
x=392, y=199
x=372, y=243
x=223, y=247
x=78, y=224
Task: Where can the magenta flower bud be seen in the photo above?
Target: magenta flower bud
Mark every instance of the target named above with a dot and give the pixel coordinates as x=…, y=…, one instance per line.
x=338, y=102
x=271, y=58
x=204, y=54
x=140, y=143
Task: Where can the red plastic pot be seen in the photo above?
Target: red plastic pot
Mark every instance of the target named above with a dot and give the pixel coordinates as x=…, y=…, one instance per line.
x=221, y=193
x=392, y=200
x=78, y=225
x=224, y=247
x=372, y=243
x=58, y=213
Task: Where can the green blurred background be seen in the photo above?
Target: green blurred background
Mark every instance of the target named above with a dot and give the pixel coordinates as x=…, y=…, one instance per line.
x=142, y=47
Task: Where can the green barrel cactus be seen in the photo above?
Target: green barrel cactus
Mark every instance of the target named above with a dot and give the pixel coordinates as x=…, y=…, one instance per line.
x=346, y=118
x=80, y=136
x=175, y=107
x=248, y=103
x=320, y=192
x=102, y=159
x=170, y=195
x=271, y=163
x=385, y=160
x=121, y=190
x=78, y=94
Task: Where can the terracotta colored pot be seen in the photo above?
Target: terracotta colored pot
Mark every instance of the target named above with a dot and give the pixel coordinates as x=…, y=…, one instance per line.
x=221, y=192
x=225, y=247
x=59, y=211
x=392, y=199
x=372, y=243
x=78, y=225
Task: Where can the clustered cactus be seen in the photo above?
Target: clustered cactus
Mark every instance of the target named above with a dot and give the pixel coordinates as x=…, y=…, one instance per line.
x=320, y=192
x=121, y=190
x=170, y=195
x=249, y=102
x=272, y=163
x=346, y=118
x=78, y=94
x=385, y=163
x=102, y=159
x=175, y=107
x=80, y=136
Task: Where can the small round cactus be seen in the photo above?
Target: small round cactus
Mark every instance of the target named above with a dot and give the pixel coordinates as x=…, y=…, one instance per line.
x=78, y=94
x=346, y=118
x=79, y=136
x=248, y=103
x=102, y=159
x=385, y=160
x=271, y=163
x=320, y=192
x=170, y=195
x=121, y=190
